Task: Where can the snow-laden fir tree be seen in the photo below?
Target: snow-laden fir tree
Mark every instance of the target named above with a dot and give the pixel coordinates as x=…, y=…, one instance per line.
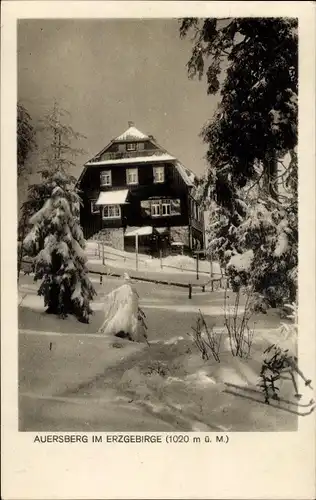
x=55, y=239
x=260, y=247
x=54, y=139
x=252, y=65
x=26, y=137
x=26, y=143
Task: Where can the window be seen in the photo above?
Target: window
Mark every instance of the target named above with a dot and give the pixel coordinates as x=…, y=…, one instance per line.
x=94, y=208
x=132, y=176
x=131, y=146
x=166, y=208
x=159, y=174
x=111, y=212
x=195, y=210
x=106, y=178
x=155, y=209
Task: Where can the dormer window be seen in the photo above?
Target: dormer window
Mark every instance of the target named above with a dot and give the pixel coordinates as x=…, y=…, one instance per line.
x=159, y=174
x=131, y=146
x=106, y=178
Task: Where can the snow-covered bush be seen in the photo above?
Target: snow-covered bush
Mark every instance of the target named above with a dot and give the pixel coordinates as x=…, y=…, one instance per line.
x=258, y=245
x=269, y=237
x=122, y=314
x=289, y=331
x=281, y=358
x=55, y=241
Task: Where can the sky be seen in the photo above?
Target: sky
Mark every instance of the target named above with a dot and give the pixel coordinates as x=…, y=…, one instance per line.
x=109, y=72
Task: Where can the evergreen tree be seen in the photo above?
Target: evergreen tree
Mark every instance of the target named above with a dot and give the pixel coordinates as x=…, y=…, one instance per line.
x=37, y=195
x=253, y=66
x=252, y=195
x=55, y=239
x=25, y=137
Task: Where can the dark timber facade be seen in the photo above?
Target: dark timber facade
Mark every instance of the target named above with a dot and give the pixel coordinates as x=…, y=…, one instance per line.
x=133, y=184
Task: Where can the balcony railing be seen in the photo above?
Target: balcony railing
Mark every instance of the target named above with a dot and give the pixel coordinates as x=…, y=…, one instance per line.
x=197, y=224
x=128, y=154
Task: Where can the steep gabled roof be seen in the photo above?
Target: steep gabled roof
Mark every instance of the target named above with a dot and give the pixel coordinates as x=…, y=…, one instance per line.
x=132, y=133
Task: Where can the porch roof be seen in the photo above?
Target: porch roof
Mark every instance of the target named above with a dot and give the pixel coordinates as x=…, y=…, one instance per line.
x=117, y=197
x=140, y=231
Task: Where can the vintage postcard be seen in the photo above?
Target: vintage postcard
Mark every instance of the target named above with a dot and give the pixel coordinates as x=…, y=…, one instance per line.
x=158, y=250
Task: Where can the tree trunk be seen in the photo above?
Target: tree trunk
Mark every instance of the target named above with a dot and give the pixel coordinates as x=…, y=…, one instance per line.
x=270, y=165
x=20, y=253
x=52, y=299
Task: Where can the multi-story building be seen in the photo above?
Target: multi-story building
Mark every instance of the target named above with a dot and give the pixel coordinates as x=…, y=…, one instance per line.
x=134, y=186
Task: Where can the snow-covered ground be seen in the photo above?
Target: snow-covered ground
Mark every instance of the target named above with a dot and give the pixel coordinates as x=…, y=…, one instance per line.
x=72, y=377
x=127, y=260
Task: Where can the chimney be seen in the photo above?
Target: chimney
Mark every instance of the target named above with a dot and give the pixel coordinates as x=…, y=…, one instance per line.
x=131, y=124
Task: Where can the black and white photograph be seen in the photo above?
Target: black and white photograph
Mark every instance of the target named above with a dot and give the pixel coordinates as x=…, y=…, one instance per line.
x=158, y=250
x=158, y=225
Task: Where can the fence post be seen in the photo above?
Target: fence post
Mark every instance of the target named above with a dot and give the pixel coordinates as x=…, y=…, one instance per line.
x=197, y=266
x=103, y=259
x=101, y=279
x=190, y=291
x=211, y=265
x=136, y=248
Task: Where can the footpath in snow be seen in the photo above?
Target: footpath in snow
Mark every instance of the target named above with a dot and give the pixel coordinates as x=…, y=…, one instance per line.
x=176, y=264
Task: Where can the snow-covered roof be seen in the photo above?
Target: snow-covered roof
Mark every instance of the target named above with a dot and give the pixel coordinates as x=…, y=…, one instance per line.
x=130, y=134
x=161, y=230
x=140, y=231
x=135, y=159
x=112, y=197
x=186, y=174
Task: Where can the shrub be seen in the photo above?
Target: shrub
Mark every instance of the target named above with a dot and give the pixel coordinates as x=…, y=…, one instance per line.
x=237, y=325
x=205, y=339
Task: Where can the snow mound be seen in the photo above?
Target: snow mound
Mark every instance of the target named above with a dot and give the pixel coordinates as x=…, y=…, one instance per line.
x=121, y=316
x=238, y=372
x=179, y=261
x=201, y=377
